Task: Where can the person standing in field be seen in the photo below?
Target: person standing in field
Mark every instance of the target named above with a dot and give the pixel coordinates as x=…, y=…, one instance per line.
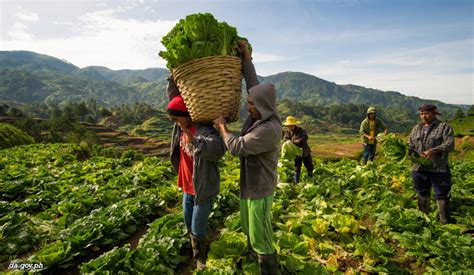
x=369, y=128
x=299, y=137
x=195, y=151
x=433, y=140
x=258, y=149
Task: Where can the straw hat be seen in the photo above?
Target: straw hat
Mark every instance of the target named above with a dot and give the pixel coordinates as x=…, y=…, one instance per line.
x=371, y=110
x=291, y=120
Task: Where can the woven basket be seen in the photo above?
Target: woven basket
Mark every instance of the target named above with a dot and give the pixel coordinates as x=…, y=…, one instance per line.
x=211, y=86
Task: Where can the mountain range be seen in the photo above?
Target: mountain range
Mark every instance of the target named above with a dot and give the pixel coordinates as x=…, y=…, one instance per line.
x=27, y=77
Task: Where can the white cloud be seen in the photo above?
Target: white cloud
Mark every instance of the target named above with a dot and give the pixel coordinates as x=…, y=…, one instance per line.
x=19, y=31
x=27, y=16
x=149, y=9
x=66, y=23
x=104, y=39
x=440, y=71
x=446, y=88
x=441, y=56
x=305, y=37
x=266, y=58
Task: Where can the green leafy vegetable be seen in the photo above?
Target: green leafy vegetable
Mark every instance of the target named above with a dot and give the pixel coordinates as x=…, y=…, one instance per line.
x=421, y=160
x=393, y=147
x=113, y=261
x=197, y=36
x=229, y=245
x=290, y=151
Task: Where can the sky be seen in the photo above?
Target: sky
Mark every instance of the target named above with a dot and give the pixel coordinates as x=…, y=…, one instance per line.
x=422, y=48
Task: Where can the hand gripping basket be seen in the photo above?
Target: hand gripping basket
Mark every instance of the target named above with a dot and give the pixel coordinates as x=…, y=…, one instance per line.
x=211, y=86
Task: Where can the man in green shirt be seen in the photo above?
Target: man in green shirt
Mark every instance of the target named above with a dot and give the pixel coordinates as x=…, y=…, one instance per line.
x=369, y=128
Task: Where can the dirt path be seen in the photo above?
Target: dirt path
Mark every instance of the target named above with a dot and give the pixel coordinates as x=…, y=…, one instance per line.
x=351, y=149
x=337, y=150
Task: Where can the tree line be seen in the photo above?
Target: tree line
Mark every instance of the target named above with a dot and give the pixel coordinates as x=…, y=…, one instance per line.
x=351, y=115
x=65, y=123
x=60, y=120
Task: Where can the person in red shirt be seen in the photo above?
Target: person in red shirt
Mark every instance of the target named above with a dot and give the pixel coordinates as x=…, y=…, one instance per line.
x=195, y=152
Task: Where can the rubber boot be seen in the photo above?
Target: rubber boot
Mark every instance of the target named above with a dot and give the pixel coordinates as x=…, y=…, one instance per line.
x=268, y=264
x=443, y=211
x=297, y=177
x=251, y=254
x=424, y=203
x=199, y=252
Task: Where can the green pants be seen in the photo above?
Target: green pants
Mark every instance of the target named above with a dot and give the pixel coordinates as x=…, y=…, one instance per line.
x=256, y=219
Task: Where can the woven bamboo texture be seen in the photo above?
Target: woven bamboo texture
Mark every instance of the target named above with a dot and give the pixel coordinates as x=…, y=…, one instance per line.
x=211, y=86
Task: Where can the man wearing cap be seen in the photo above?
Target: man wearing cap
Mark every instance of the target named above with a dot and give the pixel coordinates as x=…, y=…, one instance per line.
x=300, y=138
x=369, y=128
x=433, y=140
x=195, y=151
x=258, y=148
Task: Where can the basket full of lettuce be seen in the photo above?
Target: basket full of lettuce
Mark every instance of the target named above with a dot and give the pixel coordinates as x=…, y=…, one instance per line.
x=205, y=65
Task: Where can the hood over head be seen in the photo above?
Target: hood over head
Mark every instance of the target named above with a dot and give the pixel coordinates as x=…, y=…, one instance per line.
x=264, y=99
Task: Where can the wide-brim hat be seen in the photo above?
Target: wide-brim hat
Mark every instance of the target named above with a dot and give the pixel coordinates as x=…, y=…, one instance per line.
x=291, y=121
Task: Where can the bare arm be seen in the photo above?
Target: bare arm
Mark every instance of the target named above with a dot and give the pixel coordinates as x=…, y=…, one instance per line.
x=248, y=69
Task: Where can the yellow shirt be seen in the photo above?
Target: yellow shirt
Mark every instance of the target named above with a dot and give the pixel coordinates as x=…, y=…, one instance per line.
x=372, y=131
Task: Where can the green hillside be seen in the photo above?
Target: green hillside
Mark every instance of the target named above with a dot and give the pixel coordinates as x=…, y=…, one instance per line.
x=129, y=76
x=463, y=126
x=32, y=60
x=157, y=126
x=55, y=87
x=27, y=77
x=312, y=90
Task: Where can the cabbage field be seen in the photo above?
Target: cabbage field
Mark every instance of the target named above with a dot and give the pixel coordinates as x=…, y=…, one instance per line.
x=69, y=209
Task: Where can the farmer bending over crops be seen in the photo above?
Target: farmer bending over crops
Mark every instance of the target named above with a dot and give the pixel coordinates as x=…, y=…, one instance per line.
x=369, y=128
x=195, y=151
x=258, y=148
x=299, y=137
x=433, y=140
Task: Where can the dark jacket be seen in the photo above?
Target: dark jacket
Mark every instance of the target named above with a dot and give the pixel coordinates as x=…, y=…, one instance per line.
x=259, y=141
x=440, y=137
x=208, y=149
x=301, y=139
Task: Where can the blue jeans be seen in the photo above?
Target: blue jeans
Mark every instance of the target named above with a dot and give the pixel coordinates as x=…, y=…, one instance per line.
x=441, y=182
x=369, y=152
x=196, y=217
